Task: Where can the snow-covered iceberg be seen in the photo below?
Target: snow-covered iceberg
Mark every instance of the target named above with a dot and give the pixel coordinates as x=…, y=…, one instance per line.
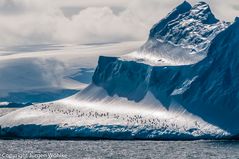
x=181, y=84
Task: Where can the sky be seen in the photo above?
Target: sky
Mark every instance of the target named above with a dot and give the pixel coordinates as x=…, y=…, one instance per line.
x=29, y=22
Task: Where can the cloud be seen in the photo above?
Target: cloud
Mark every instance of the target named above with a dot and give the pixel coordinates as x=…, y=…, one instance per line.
x=94, y=21
x=100, y=25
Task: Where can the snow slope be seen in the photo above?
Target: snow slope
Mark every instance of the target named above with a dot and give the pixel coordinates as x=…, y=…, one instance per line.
x=186, y=97
x=111, y=118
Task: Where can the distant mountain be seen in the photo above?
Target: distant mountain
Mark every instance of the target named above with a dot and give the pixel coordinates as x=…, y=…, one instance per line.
x=181, y=84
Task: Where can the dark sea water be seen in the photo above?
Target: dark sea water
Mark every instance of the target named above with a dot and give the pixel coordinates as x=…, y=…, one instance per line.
x=118, y=149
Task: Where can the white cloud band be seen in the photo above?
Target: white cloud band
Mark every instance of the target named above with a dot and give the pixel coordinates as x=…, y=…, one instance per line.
x=94, y=21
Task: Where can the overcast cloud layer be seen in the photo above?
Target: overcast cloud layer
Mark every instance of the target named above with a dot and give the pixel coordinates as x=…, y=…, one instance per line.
x=24, y=22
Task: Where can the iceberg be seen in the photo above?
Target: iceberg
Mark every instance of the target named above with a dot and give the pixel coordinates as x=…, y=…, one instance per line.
x=182, y=84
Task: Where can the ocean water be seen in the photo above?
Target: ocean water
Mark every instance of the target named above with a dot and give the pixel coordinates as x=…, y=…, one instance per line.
x=118, y=149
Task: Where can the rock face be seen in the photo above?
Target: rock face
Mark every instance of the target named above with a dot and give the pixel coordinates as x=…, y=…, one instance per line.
x=207, y=88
